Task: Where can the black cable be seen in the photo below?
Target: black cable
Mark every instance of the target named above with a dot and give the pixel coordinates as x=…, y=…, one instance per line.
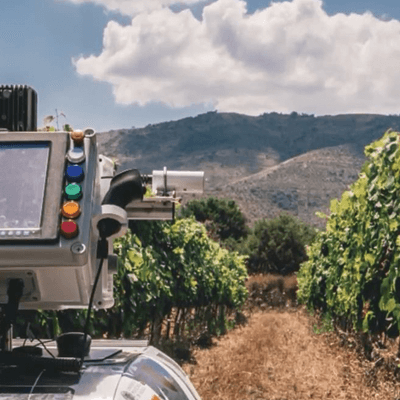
x=44, y=346
x=90, y=309
x=43, y=341
x=104, y=227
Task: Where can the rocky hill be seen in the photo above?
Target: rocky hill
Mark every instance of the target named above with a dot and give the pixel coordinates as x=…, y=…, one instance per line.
x=268, y=163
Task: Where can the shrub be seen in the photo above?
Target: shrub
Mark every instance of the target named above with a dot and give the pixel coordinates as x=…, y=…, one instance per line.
x=222, y=217
x=277, y=245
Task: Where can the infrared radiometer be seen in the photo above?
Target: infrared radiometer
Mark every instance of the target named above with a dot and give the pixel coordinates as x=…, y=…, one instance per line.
x=62, y=204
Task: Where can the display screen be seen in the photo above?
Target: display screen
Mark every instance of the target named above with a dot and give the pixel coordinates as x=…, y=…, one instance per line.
x=23, y=169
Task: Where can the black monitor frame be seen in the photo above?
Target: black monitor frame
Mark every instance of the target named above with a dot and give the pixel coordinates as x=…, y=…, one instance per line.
x=50, y=219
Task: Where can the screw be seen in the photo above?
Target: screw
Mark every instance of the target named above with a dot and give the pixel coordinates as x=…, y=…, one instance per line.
x=78, y=248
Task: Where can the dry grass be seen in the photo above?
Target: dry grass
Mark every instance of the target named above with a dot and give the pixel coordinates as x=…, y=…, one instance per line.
x=271, y=291
x=277, y=356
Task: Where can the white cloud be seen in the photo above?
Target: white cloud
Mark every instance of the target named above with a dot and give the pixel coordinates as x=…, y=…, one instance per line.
x=289, y=56
x=133, y=7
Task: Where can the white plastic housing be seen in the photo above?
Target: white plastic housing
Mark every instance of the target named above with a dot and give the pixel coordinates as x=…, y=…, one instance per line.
x=178, y=181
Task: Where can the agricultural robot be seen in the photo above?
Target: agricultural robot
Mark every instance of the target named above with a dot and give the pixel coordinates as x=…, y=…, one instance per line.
x=61, y=206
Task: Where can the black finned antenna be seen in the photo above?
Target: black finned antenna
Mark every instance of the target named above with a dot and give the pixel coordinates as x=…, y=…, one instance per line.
x=18, y=108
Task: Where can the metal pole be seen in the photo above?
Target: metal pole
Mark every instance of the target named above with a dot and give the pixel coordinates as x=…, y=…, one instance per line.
x=57, y=120
x=8, y=339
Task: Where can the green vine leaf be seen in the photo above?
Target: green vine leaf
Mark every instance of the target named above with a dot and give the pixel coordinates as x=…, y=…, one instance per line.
x=362, y=236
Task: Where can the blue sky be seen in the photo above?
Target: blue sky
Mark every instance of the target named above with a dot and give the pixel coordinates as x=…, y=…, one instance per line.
x=113, y=64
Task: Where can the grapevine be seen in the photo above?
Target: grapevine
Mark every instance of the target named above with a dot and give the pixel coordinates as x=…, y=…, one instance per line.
x=352, y=272
x=182, y=268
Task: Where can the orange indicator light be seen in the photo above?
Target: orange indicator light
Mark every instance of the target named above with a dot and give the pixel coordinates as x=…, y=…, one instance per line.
x=71, y=209
x=77, y=137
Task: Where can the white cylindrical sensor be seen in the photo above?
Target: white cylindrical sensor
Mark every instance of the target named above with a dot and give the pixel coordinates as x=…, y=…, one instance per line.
x=178, y=181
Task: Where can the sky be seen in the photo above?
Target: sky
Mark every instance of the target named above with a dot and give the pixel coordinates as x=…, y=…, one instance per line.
x=113, y=64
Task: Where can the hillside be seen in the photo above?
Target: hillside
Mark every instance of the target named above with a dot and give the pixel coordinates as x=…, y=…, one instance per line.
x=267, y=163
x=300, y=185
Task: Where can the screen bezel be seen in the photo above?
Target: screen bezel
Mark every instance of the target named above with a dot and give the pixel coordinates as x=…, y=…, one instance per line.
x=57, y=142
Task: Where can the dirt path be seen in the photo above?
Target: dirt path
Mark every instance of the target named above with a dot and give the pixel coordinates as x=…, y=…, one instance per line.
x=276, y=356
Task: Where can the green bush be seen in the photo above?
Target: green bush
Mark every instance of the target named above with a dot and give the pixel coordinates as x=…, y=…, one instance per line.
x=222, y=217
x=277, y=245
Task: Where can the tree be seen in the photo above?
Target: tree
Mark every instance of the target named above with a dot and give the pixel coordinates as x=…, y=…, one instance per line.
x=222, y=217
x=277, y=245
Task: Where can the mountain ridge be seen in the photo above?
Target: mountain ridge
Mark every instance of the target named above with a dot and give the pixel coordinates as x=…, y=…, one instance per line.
x=268, y=163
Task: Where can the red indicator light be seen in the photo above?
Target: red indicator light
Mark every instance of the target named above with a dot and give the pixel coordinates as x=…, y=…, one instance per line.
x=69, y=229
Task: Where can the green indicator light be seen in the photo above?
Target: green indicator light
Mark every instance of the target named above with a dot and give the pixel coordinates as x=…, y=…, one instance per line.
x=73, y=191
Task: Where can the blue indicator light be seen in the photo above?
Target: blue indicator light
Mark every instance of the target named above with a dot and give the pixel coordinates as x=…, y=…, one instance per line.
x=74, y=173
